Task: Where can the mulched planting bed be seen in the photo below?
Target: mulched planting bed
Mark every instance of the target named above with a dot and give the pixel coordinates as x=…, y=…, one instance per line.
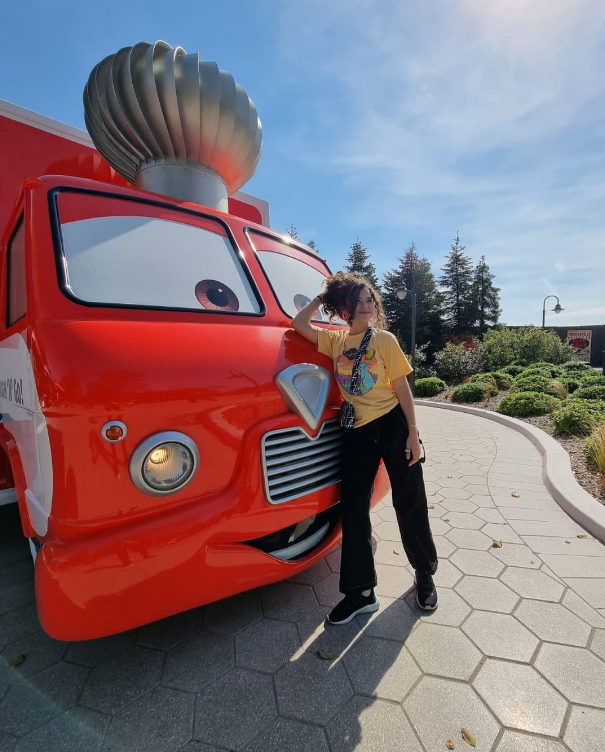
x=584, y=472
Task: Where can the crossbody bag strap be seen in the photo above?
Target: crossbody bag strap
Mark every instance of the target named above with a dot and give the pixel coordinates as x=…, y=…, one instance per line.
x=356, y=363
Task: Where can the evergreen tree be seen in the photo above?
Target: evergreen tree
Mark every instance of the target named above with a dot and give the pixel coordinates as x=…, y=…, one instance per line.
x=358, y=261
x=457, y=289
x=292, y=232
x=312, y=245
x=486, y=297
x=414, y=270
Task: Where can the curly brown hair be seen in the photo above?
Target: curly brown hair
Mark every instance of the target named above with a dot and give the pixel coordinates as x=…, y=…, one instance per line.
x=341, y=295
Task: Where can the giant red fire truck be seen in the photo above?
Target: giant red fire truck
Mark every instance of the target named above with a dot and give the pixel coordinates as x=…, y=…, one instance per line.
x=169, y=440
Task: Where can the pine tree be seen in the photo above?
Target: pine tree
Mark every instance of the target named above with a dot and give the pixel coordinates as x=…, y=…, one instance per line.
x=457, y=289
x=414, y=270
x=358, y=261
x=486, y=297
x=292, y=232
x=312, y=245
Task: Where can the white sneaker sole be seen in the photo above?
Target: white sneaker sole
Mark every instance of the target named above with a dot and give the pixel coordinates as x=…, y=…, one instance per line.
x=425, y=608
x=370, y=608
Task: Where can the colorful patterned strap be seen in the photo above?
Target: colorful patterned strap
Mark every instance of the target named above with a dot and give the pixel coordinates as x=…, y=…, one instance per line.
x=360, y=353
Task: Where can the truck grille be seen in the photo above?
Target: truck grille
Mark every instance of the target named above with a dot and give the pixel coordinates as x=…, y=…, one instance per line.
x=295, y=464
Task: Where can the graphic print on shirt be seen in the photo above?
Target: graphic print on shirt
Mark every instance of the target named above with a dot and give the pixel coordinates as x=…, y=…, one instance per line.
x=368, y=370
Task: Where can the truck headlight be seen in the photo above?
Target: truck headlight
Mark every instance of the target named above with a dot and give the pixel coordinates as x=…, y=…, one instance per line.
x=164, y=463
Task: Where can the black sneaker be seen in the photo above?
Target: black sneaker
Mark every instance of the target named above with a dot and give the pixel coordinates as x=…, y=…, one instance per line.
x=426, y=593
x=351, y=605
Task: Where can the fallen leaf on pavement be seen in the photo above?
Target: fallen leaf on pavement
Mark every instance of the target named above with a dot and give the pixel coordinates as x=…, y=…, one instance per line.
x=446, y=520
x=326, y=655
x=18, y=661
x=450, y=476
x=396, y=552
x=516, y=495
x=581, y=536
x=431, y=506
x=450, y=744
x=468, y=737
x=496, y=543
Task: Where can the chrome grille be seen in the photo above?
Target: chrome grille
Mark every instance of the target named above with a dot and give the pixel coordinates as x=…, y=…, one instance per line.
x=295, y=464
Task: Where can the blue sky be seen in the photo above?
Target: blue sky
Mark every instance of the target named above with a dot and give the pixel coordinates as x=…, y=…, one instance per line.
x=392, y=121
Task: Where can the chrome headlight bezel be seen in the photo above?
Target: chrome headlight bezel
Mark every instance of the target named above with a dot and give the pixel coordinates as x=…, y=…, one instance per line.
x=143, y=450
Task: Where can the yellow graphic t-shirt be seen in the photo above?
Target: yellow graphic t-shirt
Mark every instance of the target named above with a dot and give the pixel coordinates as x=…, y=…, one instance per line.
x=383, y=362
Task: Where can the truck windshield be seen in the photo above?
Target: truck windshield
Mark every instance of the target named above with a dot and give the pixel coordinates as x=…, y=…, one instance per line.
x=145, y=261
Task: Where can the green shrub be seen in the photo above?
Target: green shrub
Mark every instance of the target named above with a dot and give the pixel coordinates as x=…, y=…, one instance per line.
x=533, y=383
x=525, y=345
x=548, y=368
x=593, y=392
x=594, y=449
x=571, y=383
x=588, y=378
x=456, y=362
x=575, y=416
x=430, y=387
x=504, y=380
x=471, y=392
x=573, y=366
x=522, y=404
x=488, y=381
x=512, y=370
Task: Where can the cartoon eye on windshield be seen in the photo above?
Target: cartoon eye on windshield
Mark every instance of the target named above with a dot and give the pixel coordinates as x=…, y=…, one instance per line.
x=300, y=301
x=216, y=296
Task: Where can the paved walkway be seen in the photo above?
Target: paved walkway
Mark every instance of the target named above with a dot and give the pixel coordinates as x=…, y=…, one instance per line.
x=515, y=653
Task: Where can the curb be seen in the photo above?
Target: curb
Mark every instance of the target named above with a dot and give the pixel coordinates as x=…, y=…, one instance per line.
x=557, y=474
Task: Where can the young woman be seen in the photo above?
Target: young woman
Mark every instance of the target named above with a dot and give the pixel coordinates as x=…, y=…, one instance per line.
x=384, y=428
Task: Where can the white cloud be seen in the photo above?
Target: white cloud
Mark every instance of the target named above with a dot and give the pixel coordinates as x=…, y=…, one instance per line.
x=487, y=117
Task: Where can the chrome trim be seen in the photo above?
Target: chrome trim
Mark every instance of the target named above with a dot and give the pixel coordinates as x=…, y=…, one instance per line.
x=140, y=453
x=286, y=452
x=304, y=388
x=117, y=423
x=297, y=549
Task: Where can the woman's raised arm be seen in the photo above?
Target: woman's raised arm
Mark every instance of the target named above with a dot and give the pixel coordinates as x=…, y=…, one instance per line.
x=301, y=323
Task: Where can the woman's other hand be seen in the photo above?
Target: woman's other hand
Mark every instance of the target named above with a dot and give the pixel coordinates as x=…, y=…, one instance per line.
x=413, y=450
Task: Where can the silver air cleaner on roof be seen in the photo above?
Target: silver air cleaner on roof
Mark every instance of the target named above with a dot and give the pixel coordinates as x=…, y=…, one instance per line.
x=172, y=124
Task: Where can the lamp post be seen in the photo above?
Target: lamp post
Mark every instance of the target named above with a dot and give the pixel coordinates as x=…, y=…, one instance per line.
x=401, y=292
x=556, y=309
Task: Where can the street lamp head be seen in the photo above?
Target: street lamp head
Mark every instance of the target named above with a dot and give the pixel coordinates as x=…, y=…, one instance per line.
x=558, y=309
x=401, y=292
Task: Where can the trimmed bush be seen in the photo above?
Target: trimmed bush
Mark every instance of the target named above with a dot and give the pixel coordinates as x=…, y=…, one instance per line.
x=512, y=370
x=575, y=416
x=533, y=383
x=595, y=392
x=504, y=380
x=588, y=378
x=546, y=368
x=457, y=362
x=575, y=367
x=526, y=345
x=522, y=404
x=571, y=383
x=430, y=387
x=471, y=392
x=487, y=381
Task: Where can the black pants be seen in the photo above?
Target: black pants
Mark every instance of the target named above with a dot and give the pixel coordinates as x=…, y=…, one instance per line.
x=364, y=447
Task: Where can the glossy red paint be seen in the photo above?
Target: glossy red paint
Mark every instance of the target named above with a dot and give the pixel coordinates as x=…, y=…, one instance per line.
x=114, y=557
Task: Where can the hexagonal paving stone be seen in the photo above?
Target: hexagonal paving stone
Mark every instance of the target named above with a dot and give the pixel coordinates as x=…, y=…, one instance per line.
x=490, y=515
x=333, y=560
x=390, y=552
x=167, y=633
x=452, y=609
x=480, y=563
x=444, y=546
x=366, y=725
x=585, y=730
x=447, y=575
x=553, y=622
x=577, y=673
x=484, y=501
x=317, y=634
x=19, y=623
x=444, y=651
x=311, y=689
x=266, y=645
x=517, y=556
x=288, y=601
x=513, y=741
x=94, y=652
x=520, y=697
x=501, y=532
x=532, y=583
x=29, y=704
x=285, y=734
x=438, y=709
x=76, y=730
x=198, y=661
x=380, y=668
x=387, y=531
x=393, y=581
x=161, y=721
x=327, y=592
x=487, y=594
x=387, y=514
x=122, y=679
x=231, y=615
x=500, y=636
x=579, y=607
x=235, y=708
x=473, y=539
x=465, y=520
x=456, y=495
x=439, y=527
x=313, y=574
x=41, y=651
x=394, y=621
x=598, y=643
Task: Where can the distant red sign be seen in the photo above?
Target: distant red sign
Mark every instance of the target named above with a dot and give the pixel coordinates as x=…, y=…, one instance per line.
x=580, y=340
